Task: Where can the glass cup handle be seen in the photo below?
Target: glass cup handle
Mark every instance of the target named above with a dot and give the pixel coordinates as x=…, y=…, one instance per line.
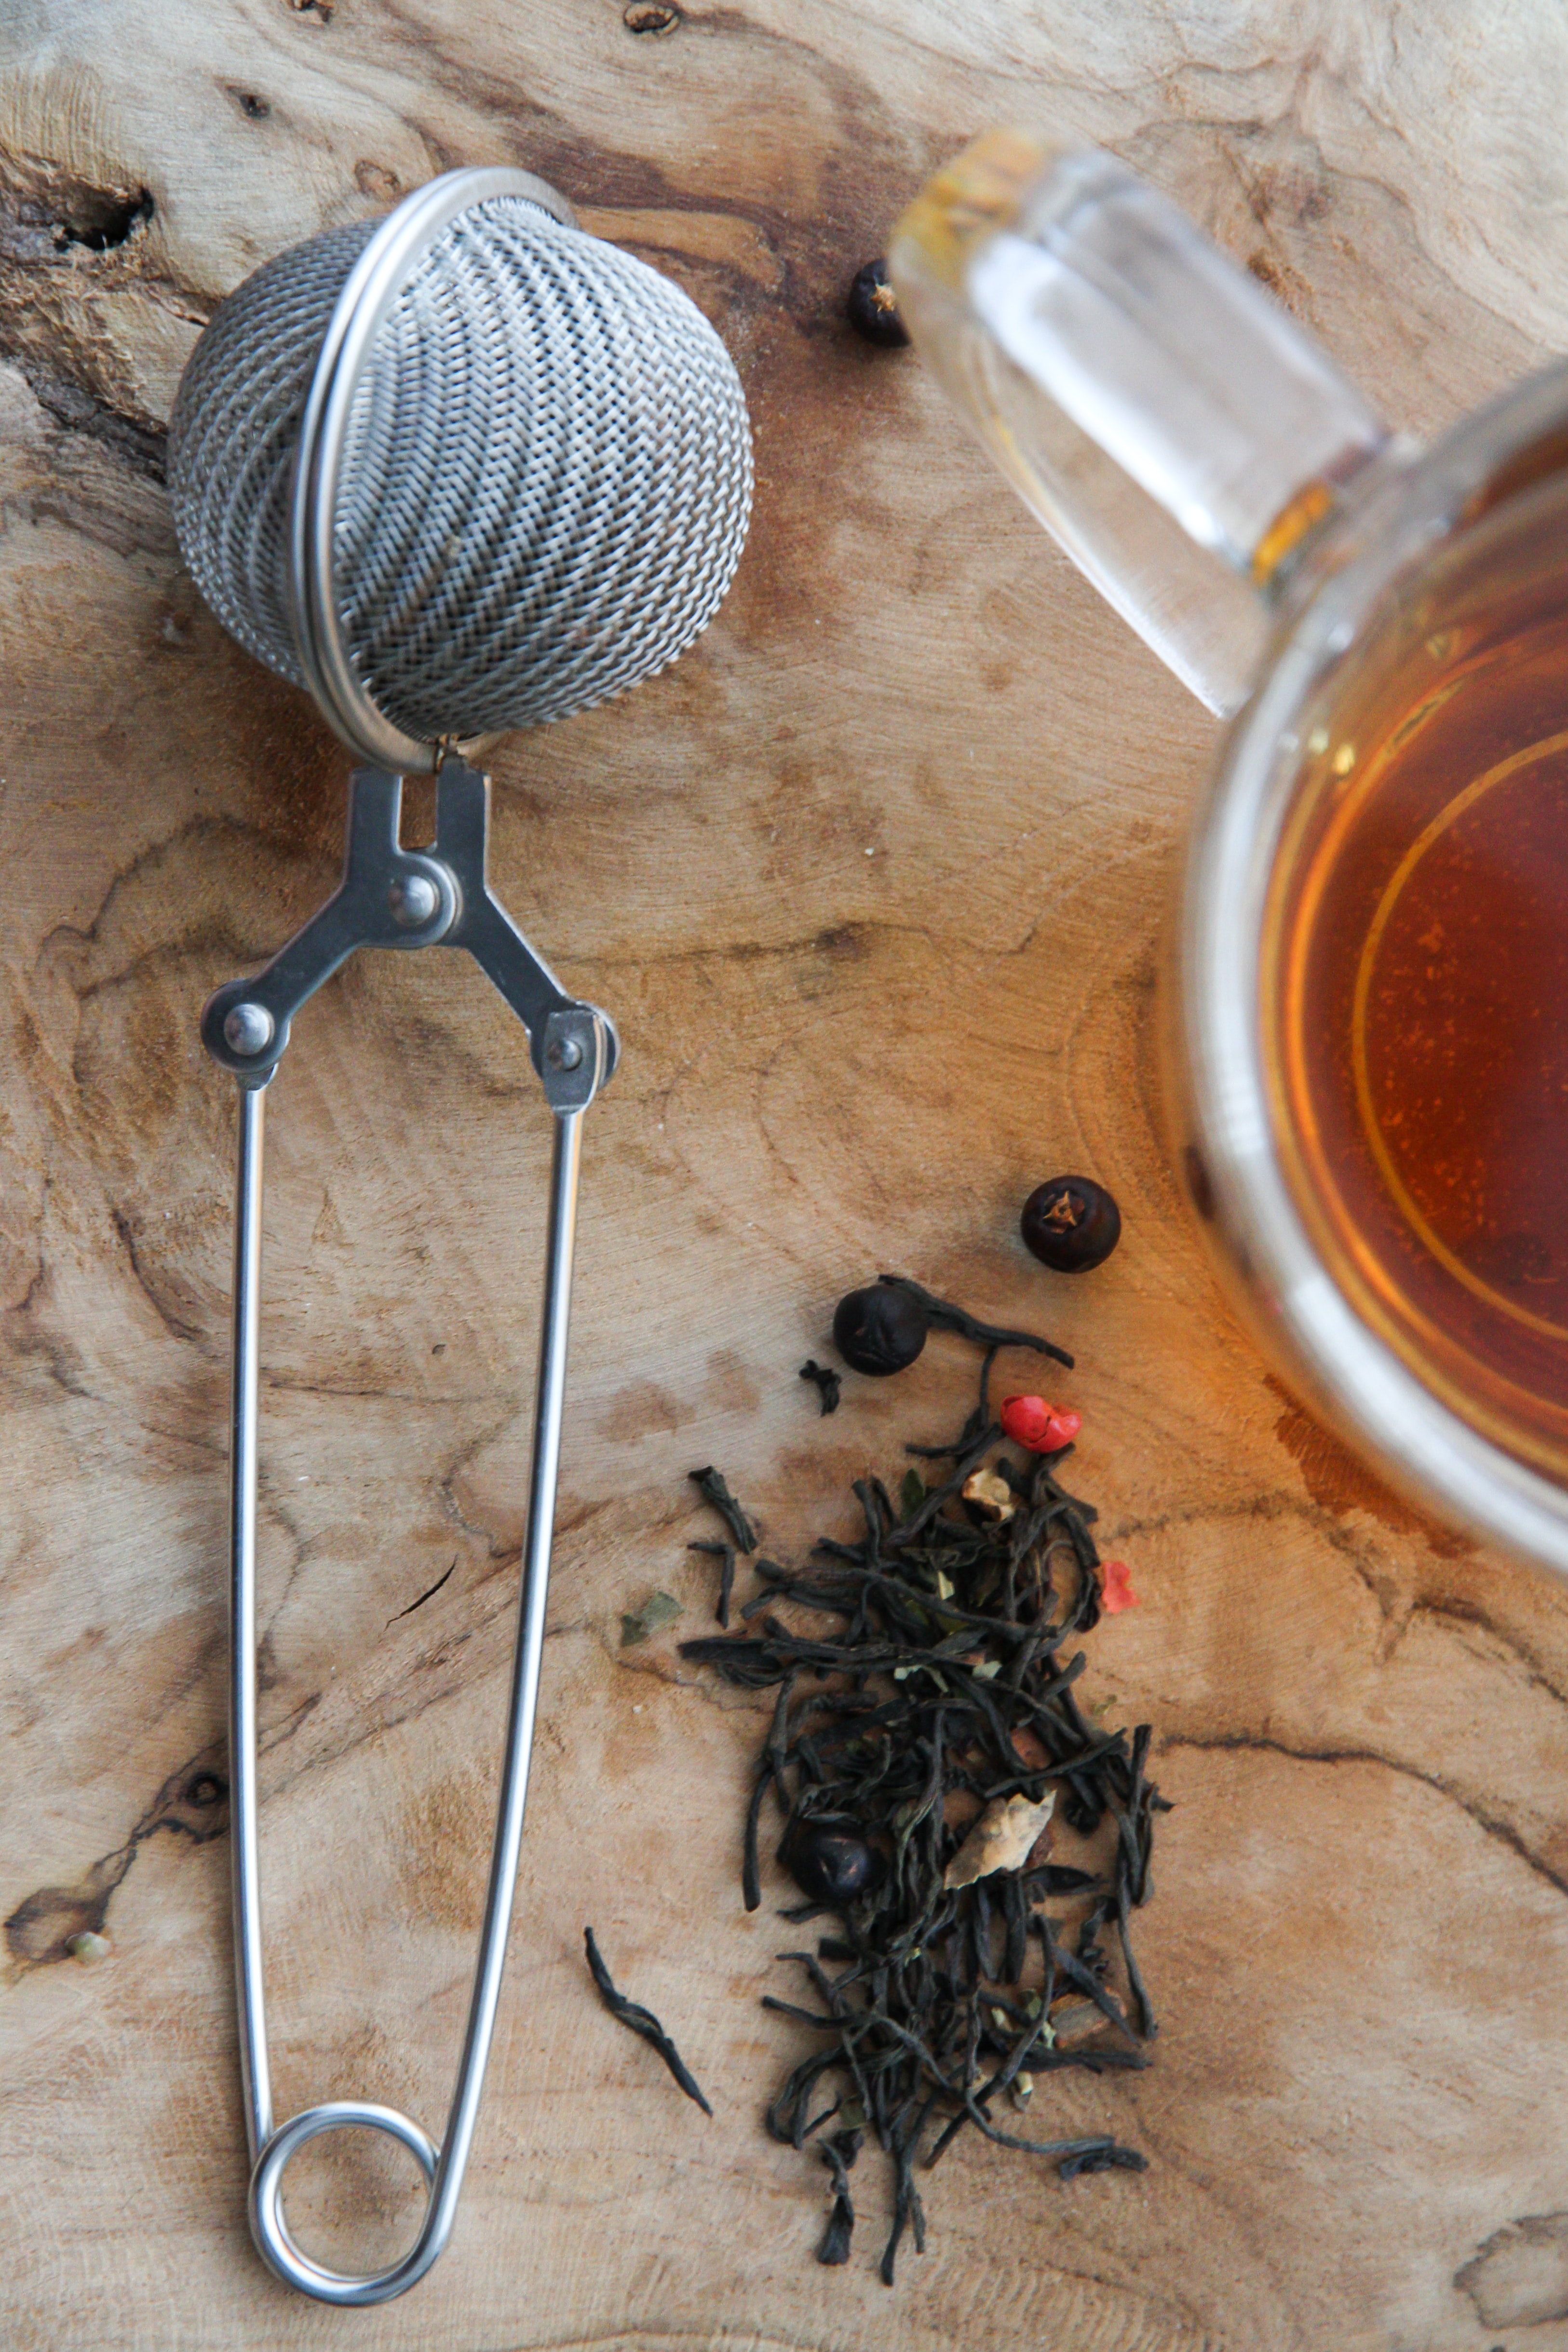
x=1165, y=419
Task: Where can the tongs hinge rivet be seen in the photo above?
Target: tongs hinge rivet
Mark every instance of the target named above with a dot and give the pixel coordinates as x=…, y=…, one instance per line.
x=250, y=1029
x=414, y=899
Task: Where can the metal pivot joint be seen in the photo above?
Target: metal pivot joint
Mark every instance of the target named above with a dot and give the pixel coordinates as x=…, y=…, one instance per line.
x=396, y=897
x=392, y=897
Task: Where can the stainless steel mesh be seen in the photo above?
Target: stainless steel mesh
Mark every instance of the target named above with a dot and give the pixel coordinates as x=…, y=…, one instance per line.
x=546, y=481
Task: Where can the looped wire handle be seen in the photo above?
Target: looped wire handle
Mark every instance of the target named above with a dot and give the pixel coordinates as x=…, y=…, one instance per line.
x=271, y=2230
x=245, y=1027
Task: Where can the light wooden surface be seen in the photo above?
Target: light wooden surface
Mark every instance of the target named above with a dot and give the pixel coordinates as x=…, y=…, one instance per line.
x=872, y=882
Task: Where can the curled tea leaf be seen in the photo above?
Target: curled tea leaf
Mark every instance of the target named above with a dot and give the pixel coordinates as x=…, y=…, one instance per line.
x=710, y=1484
x=1003, y=1838
x=641, y=2021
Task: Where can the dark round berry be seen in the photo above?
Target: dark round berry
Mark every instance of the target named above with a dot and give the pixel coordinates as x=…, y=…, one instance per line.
x=879, y=1330
x=873, y=308
x=1070, y=1224
x=830, y=1860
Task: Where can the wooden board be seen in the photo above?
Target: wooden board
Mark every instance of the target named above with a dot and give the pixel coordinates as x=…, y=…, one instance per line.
x=872, y=882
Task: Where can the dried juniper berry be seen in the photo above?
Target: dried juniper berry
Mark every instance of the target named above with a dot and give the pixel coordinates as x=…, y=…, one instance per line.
x=1070, y=1224
x=873, y=306
x=879, y=1330
x=830, y=1860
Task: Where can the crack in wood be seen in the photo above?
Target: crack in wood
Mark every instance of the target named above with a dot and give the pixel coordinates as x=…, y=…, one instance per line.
x=1491, y=1824
x=398, y=1614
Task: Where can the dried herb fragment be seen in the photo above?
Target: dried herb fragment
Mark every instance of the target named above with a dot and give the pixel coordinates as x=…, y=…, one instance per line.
x=710, y=1485
x=990, y=1494
x=641, y=2021
x=1002, y=1839
x=829, y=1385
x=658, y=1608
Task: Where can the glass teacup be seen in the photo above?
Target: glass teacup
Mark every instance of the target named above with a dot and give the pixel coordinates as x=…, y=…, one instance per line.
x=1367, y=1009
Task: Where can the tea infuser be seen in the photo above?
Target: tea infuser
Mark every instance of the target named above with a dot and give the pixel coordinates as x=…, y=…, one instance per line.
x=457, y=473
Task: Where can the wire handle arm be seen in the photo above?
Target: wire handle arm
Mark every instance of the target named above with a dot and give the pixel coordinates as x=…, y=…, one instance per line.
x=574, y=1045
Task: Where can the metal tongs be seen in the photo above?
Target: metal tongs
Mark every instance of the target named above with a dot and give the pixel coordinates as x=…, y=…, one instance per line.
x=392, y=897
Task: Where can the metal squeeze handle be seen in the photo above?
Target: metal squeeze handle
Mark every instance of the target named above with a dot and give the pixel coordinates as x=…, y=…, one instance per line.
x=389, y=896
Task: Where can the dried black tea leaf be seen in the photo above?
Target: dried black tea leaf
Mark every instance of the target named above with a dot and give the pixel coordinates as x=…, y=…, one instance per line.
x=725, y=1554
x=838, y=2154
x=942, y=1316
x=641, y=2021
x=710, y=1485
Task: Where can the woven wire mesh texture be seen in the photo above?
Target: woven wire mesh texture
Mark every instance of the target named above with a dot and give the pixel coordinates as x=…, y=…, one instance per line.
x=546, y=479
x=234, y=432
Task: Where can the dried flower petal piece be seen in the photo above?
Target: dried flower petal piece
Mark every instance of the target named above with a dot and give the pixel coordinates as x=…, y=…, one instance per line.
x=1037, y=1426
x=1003, y=1838
x=993, y=1495
x=1072, y=2016
x=657, y=1609
x=1116, y=1592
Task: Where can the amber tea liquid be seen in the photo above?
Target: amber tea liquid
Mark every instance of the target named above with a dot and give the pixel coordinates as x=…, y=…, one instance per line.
x=1416, y=990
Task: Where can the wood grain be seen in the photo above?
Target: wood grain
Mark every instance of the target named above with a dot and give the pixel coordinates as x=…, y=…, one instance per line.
x=872, y=882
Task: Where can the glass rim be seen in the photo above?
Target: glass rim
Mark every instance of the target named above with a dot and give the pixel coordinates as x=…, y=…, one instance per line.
x=1376, y=1401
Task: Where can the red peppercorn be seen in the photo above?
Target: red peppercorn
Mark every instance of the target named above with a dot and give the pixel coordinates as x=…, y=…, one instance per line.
x=1116, y=1593
x=1037, y=1426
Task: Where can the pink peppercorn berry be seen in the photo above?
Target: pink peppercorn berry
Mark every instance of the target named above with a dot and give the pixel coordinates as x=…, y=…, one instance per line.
x=1037, y=1426
x=1116, y=1592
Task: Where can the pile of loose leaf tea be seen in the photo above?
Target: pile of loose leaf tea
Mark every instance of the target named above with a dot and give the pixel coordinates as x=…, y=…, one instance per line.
x=926, y=1731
